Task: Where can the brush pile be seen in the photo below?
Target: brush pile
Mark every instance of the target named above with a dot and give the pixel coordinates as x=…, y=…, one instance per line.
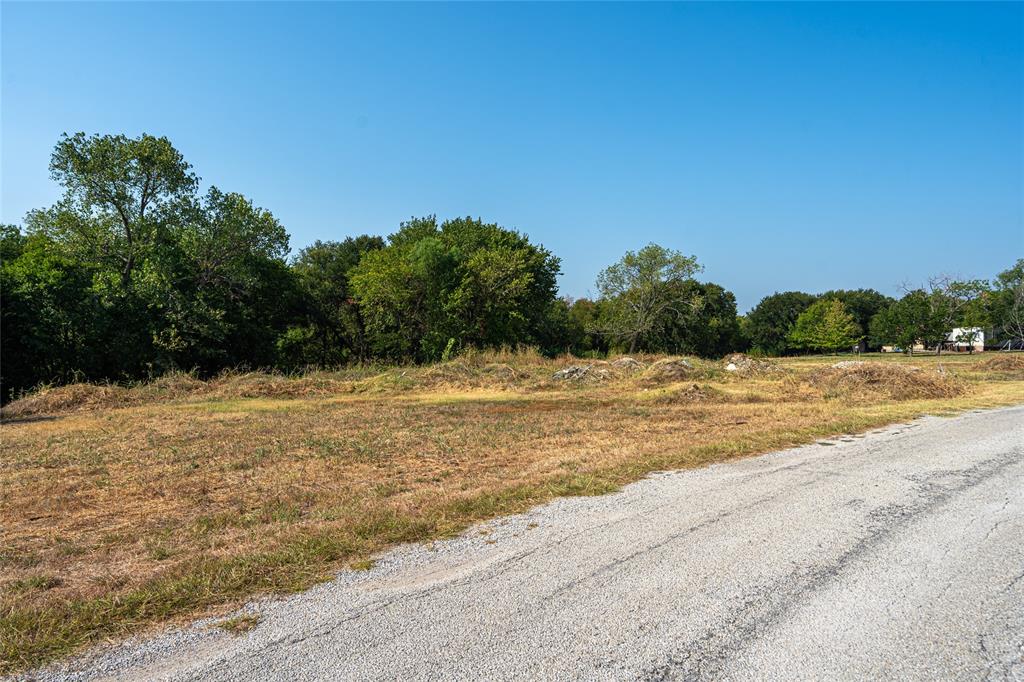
x=745, y=365
x=856, y=380
x=691, y=393
x=594, y=373
x=670, y=370
x=1009, y=365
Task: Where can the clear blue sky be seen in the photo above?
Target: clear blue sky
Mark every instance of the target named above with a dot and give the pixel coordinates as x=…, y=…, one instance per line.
x=803, y=146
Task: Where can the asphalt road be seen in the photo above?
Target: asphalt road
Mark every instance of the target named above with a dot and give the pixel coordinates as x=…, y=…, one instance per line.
x=896, y=555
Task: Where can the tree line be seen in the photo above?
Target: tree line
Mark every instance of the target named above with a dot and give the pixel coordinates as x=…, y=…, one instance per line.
x=134, y=273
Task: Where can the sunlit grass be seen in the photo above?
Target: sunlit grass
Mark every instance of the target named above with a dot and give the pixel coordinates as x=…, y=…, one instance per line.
x=167, y=504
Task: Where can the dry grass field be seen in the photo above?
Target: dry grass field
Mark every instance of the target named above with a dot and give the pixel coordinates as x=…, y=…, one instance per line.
x=121, y=508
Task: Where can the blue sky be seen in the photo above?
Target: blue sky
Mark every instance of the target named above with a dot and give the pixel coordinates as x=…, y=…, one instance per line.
x=788, y=146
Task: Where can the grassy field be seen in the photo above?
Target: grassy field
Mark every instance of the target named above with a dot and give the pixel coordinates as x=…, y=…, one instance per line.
x=121, y=508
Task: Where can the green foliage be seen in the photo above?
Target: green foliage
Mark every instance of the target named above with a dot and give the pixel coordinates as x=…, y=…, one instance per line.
x=1005, y=304
x=768, y=325
x=331, y=330
x=710, y=329
x=132, y=273
x=465, y=279
x=826, y=325
x=121, y=195
x=863, y=304
x=584, y=320
x=929, y=315
x=48, y=313
x=644, y=288
x=906, y=322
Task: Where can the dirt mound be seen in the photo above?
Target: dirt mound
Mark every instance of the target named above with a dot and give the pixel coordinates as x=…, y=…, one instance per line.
x=460, y=374
x=228, y=386
x=170, y=386
x=627, y=364
x=264, y=385
x=68, y=398
x=871, y=380
x=452, y=373
x=670, y=370
x=589, y=374
x=747, y=366
x=502, y=372
x=1004, y=363
x=691, y=393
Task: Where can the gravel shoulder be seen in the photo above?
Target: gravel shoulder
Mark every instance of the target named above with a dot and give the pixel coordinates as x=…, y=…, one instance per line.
x=894, y=554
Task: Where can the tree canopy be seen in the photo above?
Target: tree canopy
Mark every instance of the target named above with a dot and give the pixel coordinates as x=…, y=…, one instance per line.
x=458, y=284
x=826, y=325
x=642, y=289
x=768, y=325
x=133, y=272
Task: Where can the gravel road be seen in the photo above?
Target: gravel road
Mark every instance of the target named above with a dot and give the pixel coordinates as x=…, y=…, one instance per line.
x=897, y=554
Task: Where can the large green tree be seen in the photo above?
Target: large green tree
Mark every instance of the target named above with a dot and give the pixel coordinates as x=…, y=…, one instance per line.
x=1006, y=304
x=458, y=284
x=174, y=280
x=768, y=325
x=586, y=320
x=710, y=329
x=910, y=320
x=642, y=289
x=826, y=325
x=953, y=303
x=121, y=196
x=225, y=290
x=332, y=330
x=863, y=304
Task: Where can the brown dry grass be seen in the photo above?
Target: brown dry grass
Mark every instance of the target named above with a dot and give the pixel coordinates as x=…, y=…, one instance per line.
x=1007, y=364
x=132, y=506
x=869, y=381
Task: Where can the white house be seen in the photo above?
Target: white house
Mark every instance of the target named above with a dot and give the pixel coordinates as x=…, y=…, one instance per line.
x=965, y=339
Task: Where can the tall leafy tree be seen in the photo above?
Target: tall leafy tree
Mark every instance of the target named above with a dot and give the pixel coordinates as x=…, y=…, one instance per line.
x=863, y=304
x=826, y=325
x=910, y=320
x=461, y=283
x=586, y=320
x=175, y=280
x=951, y=302
x=1006, y=304
x=709, y=330
x=49, y=317
x=120, y=196
x=769, y=323
x=226, y=291
x=642, y=289
x=333, y=330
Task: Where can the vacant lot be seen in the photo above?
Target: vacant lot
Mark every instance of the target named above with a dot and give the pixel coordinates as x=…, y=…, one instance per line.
x=120, y=508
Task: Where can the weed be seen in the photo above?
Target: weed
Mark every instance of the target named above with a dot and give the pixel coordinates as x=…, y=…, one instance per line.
x=239, y=624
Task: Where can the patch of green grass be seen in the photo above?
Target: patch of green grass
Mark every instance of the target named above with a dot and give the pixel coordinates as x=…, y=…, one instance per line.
x=33, y=583
x=363, y=564
x=239, y=624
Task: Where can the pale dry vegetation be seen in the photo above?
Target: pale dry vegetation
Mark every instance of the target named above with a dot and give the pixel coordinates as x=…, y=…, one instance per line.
x=121, y=507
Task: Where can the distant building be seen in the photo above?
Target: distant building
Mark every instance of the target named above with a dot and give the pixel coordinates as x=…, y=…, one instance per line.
x=965, y=339
x=960, y=340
